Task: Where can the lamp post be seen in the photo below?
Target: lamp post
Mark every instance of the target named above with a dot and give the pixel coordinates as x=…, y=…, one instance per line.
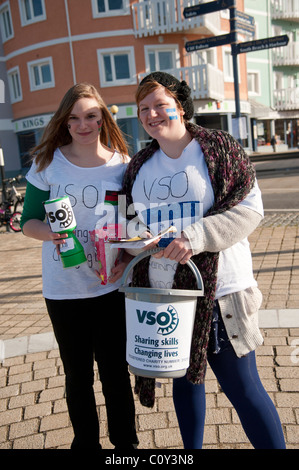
x=114, y=111
x=2, y=174
x=234, y=32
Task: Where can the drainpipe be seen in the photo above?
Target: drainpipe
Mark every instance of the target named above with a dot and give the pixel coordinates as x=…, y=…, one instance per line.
x=270, y=55
x=70, y=40
x=270, y=68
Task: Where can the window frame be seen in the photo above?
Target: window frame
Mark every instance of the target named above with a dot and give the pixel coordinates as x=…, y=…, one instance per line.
x=15, y=71
x=122, y=11
x=173, y=48
x=257, y=91
x=227, y=77
x=198, y=58
x=40, y=62
x=132, y=80
x=35, y=19
x=5, y=8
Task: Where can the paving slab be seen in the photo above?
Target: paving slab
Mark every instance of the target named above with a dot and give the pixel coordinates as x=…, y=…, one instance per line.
x=33, y=412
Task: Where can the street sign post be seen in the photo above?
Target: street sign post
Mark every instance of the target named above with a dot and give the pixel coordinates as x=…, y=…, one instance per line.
x=245, y=28
x=205, y=8
x=260, y=44
x=238, y=21
x=206, y=43
x=241, y=16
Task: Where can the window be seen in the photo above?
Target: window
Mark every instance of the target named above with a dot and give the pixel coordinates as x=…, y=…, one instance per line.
x=41, y=74
x=117, y=66
x=6, y=22
x=228, y=66
x=14, y=84
x=208, y=56
x=110, y=8
x=278, y=80
x=161, y=58
x=253, y=82
x=32, y=11
x=228, y=71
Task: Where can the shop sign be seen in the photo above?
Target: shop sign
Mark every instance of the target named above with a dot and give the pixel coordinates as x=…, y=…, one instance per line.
x=32, y=122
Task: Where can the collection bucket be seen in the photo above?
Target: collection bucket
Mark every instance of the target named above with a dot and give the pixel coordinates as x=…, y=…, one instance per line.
x=159, y=325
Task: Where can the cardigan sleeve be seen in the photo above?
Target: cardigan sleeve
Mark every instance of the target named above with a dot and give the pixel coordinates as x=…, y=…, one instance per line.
x=218, y=232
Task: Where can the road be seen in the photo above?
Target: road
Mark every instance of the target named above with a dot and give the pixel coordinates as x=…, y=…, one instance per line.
x=279, y=183
x=278, y=178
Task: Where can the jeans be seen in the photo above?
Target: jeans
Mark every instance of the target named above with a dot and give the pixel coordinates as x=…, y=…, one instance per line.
x=88, y=330
x=239, y=380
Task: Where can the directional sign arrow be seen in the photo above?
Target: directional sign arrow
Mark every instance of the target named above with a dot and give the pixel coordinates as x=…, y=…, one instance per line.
x=240, y=15
x=206, y=43
x=260, y=44
x=245, y=23
x=205, y=8
x=247, y=28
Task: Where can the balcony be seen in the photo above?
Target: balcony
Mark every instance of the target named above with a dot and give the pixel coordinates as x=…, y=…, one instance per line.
x=288, y=55
x=285, y=10
x=205, y=81
x=154, y=17
x=286, y=99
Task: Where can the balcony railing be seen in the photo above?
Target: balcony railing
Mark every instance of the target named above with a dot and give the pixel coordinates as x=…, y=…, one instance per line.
x=205, y=81
x=286, y=55
x=153, y=17
x=285, y=9
x=286, y=99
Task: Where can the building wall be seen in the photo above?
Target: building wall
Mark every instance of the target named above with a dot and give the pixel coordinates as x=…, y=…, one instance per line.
x=276, y=80
x=8, y=139
x=71, y=37
x=260, y=61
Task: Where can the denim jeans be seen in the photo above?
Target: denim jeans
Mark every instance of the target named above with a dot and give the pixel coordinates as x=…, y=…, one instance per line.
x=88, y=330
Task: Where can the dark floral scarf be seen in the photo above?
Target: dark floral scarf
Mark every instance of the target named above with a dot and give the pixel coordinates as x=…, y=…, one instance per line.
x=232, y=177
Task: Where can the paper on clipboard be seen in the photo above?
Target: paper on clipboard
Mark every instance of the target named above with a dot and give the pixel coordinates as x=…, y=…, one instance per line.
x=138, y=242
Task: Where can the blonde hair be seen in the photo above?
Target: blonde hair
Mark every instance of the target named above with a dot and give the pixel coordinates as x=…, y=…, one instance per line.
x=56, y=133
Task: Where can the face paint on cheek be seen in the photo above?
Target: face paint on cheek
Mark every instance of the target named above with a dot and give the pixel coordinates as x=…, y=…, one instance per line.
x=172, y=113
x=99, y=123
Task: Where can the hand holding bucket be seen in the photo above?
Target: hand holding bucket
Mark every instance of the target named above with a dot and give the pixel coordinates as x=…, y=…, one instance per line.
x=62, y=220
x=159, y=325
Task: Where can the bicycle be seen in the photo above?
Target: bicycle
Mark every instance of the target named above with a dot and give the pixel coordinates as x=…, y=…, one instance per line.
x=11, y=201
x=13, y=195
x=9, y=218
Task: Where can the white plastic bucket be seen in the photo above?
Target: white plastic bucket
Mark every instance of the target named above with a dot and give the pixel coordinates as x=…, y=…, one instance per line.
x=159, y=325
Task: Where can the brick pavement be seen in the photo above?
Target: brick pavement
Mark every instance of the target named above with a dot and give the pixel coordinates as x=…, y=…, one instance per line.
x=33, y=413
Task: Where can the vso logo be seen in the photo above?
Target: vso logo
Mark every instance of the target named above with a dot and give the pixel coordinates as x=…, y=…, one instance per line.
x=166, y=321
x=63, y=216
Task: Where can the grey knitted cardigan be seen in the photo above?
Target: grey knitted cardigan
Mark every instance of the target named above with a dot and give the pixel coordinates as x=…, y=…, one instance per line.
x=232, y=176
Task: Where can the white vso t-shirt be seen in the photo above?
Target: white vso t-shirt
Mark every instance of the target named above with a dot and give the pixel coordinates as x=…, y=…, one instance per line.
x=163, y=180
x=87, y=189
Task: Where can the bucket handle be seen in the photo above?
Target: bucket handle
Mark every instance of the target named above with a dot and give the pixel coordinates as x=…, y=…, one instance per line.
x=144, y=254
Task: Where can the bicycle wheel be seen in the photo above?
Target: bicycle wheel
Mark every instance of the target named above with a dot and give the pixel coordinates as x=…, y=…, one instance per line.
x=14, y=221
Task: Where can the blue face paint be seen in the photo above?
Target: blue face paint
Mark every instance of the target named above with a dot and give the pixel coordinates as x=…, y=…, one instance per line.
x=172, y=113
